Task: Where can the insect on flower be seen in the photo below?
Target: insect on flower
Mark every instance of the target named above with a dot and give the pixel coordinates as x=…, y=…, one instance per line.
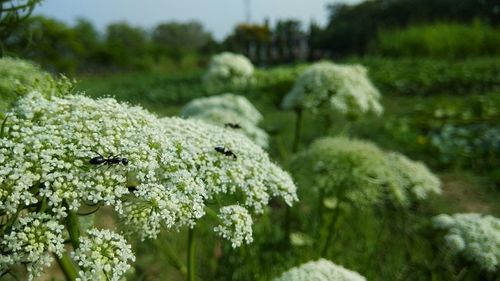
x=225, y=151
x=232, y=125
x=111, y=160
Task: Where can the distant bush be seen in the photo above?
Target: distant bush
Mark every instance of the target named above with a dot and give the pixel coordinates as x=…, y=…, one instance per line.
x=441, y=40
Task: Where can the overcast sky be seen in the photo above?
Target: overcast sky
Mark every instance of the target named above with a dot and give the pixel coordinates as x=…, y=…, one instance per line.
x=218, y=16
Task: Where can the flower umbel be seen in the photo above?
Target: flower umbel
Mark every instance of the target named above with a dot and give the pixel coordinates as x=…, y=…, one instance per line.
x=103, y=255
x=236, y=225
x=475, y=237
x=228, y=70
x=332, y=87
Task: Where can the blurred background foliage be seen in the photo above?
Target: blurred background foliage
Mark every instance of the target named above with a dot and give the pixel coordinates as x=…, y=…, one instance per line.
x=443, y=29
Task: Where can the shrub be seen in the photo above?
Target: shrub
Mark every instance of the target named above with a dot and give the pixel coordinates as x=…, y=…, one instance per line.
x=440, y=40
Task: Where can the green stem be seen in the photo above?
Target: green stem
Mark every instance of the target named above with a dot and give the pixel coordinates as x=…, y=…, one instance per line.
x=319, y=215
x=67, y=266
x=191, y=276
x=331, y=229
x=73, y=226
x=298, y=129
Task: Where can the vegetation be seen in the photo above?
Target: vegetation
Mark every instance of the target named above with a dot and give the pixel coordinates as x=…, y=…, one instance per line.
x=379, y=167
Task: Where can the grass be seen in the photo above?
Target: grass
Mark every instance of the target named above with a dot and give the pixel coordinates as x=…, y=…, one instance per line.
x=380, y=244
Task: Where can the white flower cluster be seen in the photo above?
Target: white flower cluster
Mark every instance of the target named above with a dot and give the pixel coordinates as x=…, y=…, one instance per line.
x=18, y=77
x=345, y=168
x=475, y=237
x=413, y=179
x=362, y=173
x=174, y=165
x=103, y=255
x=320, y=270
x=228, y=70
x=30, y=241
x=325, y=86
x=227, y=110
x=236, y=225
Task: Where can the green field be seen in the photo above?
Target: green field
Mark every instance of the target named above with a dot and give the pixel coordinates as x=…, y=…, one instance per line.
x=420, y=98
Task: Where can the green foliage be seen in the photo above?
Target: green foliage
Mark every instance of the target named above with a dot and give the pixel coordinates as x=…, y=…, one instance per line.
x=352, y=28
x=52, y=43
x=18, y=77
x=432, y=77
x=442, y=40
x=12, y=14
x=154, y=90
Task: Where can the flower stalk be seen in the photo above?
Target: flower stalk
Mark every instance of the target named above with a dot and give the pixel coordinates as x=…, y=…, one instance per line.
x=191, y=270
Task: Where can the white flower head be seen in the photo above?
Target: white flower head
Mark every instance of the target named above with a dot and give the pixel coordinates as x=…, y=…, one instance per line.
x=331, y=87
x=236, y=225
x=228, y=70
x=320, y=270
x=172, y=165
x=474, y=237
x=32, y=240
x=103, y=255
x=349, y=169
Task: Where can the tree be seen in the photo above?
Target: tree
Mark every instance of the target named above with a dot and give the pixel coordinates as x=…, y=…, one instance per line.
x=12, y=14
x=127, y=46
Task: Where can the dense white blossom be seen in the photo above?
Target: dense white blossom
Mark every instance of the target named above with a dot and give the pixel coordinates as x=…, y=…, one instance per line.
x=320, y=270
x=475, y=237
x=349, y=169
x=413, y=179
x=236, y=225
x=173, y=166
x=228, y=109
x=228, y=70
x=31, y=241
x=102, y=255
x=325, y=86
x=245, y=172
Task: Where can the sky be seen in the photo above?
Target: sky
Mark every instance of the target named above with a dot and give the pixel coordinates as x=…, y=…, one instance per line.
x=218, y=16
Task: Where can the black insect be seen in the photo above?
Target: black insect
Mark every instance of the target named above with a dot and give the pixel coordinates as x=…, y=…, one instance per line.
x=111, y=160
x=232, y=125
x=225, y=151
x=132, y=189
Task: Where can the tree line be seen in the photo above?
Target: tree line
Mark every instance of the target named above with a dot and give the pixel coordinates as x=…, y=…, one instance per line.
x=351, y=30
